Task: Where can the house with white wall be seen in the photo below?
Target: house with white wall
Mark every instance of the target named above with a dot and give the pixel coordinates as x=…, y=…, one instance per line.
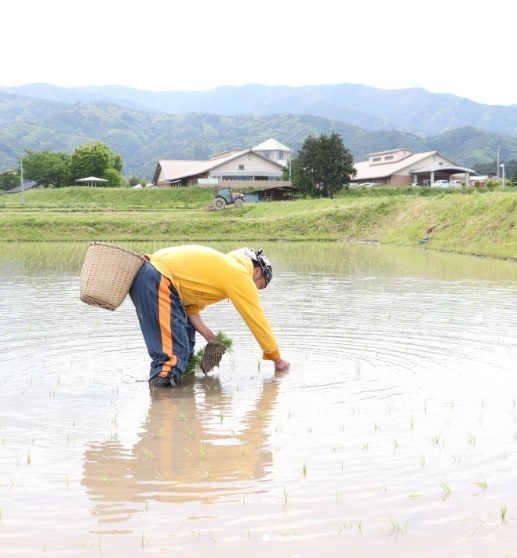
x=247, y=167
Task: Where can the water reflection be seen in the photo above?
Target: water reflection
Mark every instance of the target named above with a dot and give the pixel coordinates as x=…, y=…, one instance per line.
x=184, y=453
x=358, y=260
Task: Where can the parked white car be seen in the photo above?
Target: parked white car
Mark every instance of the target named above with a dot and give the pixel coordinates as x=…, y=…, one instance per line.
x=441, y=184
x=456, y=184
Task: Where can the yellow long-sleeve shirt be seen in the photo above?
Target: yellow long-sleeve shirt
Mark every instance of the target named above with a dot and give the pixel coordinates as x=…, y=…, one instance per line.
x=205, y=276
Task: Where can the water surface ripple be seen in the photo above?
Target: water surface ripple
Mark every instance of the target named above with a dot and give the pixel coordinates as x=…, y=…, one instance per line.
x=394, y=433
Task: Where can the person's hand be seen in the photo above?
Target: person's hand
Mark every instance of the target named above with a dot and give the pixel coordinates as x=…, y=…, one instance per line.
x=281, y=364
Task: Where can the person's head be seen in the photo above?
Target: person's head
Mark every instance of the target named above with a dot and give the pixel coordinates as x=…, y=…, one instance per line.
x=262, y=268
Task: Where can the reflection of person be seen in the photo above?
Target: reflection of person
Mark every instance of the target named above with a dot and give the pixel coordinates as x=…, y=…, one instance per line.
x=175, y=284
x=182, y=454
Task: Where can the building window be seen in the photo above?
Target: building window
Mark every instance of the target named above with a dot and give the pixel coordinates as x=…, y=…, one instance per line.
x=280, y=155
x=388, y=157
x=241, y=167
x=376, y=159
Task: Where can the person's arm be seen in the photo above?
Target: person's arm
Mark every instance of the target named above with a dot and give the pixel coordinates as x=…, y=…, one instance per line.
x=202, y=328
x=244, y=295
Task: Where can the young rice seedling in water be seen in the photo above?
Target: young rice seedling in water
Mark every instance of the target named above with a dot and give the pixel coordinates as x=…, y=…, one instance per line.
x=397, y=528
x=504, y=515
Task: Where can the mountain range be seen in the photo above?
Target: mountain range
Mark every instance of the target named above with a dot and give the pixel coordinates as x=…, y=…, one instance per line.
x=145, y=126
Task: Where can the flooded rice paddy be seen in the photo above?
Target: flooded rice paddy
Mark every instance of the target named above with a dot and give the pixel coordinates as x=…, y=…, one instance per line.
x=394, y=433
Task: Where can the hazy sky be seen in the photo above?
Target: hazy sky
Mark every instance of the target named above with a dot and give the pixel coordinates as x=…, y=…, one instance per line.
x=462, y=47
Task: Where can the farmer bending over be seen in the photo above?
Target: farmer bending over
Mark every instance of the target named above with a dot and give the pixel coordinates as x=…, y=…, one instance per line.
x=175, y=284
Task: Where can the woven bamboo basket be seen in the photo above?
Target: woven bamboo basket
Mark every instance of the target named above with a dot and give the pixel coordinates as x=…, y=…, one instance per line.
x=107, y=274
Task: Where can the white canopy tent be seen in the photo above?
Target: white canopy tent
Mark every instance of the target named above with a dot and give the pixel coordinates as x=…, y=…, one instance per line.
x=91, y=180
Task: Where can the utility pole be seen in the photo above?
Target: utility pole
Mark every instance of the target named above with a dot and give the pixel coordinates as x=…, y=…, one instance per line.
x=290, y=155
x=21, y=176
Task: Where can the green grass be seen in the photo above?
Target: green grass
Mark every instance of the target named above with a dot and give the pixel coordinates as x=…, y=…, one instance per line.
x=82, y=198
x=468, y=221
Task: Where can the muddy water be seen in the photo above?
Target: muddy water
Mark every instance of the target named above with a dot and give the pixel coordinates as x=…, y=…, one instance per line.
x=394, y=433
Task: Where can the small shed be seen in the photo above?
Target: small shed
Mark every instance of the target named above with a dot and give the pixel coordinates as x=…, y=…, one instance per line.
x=26, y=186
x=276, y=193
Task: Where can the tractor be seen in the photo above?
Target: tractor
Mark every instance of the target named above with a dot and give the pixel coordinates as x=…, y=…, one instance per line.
x=224, y=197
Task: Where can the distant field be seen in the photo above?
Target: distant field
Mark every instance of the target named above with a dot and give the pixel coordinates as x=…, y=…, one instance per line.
x=475, y=222
x=84, y=198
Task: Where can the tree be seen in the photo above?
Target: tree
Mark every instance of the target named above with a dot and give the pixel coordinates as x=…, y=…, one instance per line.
x=323, y=167
x=46, y=168
x=133, y=181
x=9, y=179
x=94, y=160
x=490, y=168
x=118, y=162
x=115, y=179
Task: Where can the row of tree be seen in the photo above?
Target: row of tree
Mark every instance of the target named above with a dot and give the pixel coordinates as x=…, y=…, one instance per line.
x=323, y=167
x=53, y=168
x=490, y=169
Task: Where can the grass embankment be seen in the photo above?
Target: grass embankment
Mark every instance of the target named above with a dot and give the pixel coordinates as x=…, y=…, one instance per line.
x=465, y=221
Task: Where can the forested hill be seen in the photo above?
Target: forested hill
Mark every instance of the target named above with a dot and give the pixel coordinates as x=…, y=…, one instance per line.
x=413, y=110
x=144, y=137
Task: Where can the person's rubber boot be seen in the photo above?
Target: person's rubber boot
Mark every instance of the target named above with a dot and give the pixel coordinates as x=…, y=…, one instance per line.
x=160, y=382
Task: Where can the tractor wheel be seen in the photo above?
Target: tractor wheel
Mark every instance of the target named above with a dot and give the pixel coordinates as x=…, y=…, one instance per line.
x=219, y=203
x=238, y=202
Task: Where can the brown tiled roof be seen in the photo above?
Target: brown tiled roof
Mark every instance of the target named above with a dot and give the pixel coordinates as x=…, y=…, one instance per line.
x=176, y=170
x=367, y=169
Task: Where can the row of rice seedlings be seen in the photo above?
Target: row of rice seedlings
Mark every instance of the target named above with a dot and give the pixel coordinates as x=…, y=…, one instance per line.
x=398, y=527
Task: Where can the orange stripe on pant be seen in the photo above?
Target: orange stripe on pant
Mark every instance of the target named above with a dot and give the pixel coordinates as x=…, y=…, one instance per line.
x=165, y=318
